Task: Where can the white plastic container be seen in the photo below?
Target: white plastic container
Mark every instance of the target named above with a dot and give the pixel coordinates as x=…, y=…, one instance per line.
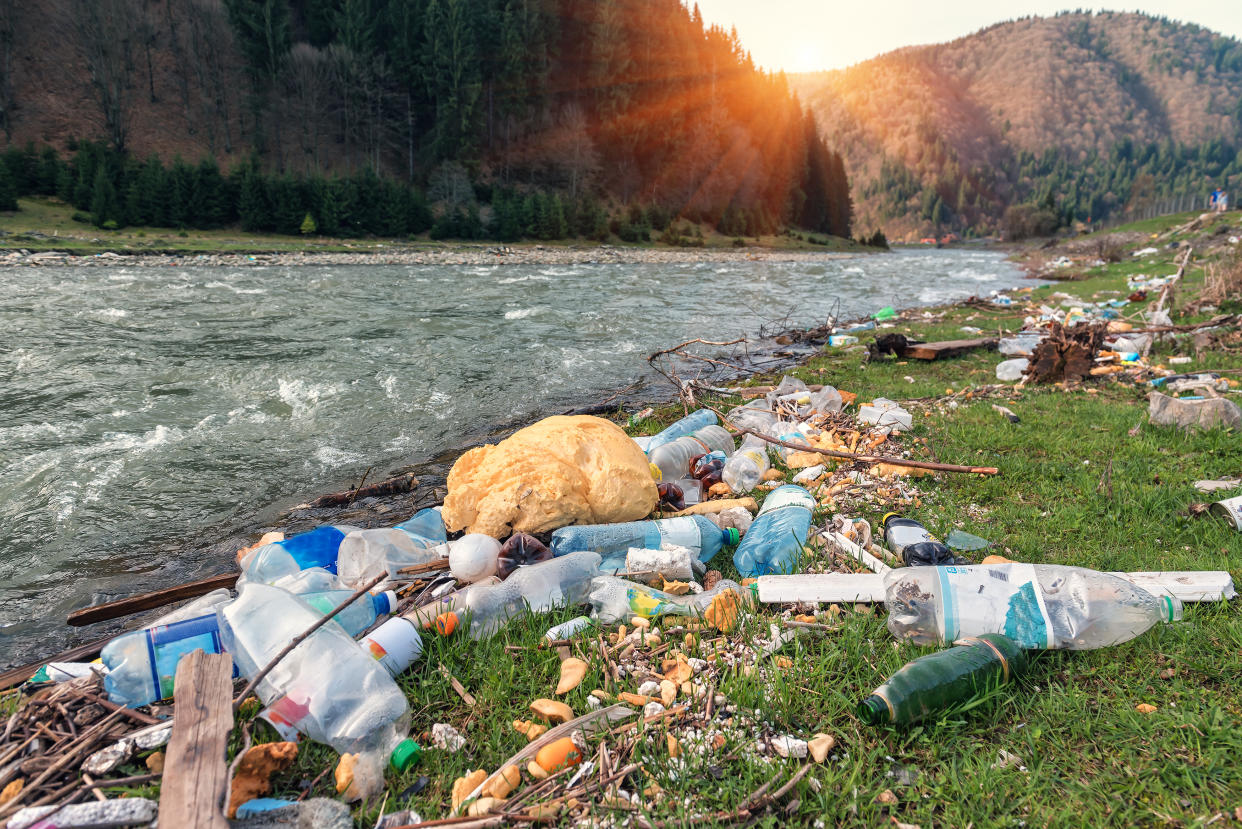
x=1011, y=370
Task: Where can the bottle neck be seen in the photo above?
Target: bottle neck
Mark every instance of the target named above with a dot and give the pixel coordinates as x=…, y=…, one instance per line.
x=874, y=710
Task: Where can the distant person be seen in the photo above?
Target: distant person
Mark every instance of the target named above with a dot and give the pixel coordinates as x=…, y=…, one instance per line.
x=1222, y=202
x=1214, y=201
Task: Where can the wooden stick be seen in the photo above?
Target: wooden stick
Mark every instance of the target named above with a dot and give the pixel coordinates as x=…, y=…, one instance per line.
x=146, y=601
x=392, y=486
x=195, y=773
x=428, y=567
x=301, y=637
x=832, y=453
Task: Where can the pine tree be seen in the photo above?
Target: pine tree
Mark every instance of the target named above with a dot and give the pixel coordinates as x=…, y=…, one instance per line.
x=253, y=206
x=451, y=73
x=8, y=193
x=308, y=225
x=103, y=198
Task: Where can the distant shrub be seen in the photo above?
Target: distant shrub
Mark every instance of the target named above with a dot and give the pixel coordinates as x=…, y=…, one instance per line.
x=739, y=242
x=82, y=218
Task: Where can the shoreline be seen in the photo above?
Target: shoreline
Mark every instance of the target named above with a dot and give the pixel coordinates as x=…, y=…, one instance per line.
x=468, y=255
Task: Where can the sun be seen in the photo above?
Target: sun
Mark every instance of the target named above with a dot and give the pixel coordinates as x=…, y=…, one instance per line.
x=806, y=56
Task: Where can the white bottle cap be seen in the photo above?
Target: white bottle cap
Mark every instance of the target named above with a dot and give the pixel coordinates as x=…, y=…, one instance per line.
x=395, y=644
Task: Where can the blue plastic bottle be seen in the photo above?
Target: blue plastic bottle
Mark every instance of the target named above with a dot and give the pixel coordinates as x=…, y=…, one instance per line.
x=688, y=425
x=316, y=548
x=774, y=541
x=699, y=534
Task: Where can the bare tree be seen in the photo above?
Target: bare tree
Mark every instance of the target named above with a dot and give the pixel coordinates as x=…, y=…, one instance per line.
x=307, y=99
x=105, y=33
x=210, y=40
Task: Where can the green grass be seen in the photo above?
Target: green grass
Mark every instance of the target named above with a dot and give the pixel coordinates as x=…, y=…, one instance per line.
x=1087, y=756
x=44, y=223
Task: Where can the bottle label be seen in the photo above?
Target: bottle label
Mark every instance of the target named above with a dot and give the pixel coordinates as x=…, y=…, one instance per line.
x=683, y=532
x=788, y=496
x=1004, y=600
x=395, y=644
x=166, y=645
x=646, y=605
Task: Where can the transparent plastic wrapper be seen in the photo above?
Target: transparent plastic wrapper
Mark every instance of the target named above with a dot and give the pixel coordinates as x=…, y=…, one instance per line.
x=886, y=415
x=327, y=688
x=774, y=542
x=535, y=589
x=1011, y=370
x=614, y=600
x=796, y=433
x=746, y=467
x=695, y=532
x=1044, y=606
x=1022, y=345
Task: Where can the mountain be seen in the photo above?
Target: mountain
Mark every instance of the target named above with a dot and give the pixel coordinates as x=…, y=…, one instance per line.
x=516, y=118
x=1079, y=115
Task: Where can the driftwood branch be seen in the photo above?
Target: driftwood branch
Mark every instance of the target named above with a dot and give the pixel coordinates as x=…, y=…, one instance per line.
x=832, y=453
x=301, y=637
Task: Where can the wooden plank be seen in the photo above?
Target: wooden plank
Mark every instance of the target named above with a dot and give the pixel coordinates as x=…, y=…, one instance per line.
x=147, y=601
x=195, y=772
x=948, y=348
x=1188, y=586
x=82, y=653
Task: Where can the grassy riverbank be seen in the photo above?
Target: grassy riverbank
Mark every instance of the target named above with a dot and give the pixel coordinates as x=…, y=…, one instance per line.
x=47, y=224
x=1076, y=487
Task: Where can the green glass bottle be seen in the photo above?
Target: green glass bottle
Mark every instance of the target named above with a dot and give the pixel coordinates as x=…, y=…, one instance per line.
x=970, y=669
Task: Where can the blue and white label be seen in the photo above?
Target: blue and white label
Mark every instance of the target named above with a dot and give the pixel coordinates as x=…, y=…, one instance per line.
x=997, y=599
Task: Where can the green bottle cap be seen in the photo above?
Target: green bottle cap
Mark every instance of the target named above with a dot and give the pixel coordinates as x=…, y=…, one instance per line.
x=732, y=536
x=406, y=754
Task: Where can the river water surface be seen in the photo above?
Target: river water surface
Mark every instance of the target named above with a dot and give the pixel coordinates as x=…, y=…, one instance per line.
x=144, y=407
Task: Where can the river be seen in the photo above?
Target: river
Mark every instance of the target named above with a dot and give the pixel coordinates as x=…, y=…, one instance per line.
x=141, y=408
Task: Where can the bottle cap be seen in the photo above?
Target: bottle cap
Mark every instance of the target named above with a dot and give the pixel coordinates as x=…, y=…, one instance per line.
x=732, y=536
x=446, y=623
x=887, y=515
x=656, y=474
x=405, y=755
x=1171, y=608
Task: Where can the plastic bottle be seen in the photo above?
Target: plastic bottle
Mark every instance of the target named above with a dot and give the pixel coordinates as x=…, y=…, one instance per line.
x=142, y=664
x=747, y=465
x=757, y=415
x=614, y=600
x=971, y=669
x=1036, y=605
x=396, y=644
x=688, y=425
x=201, y=606
x=326, y=688
x=773, y=544
x=567, y=630
x=364, y=554
x=534, y=589
x=673, y=459
x=914, y=544
x=317, y=548
x=694, y=532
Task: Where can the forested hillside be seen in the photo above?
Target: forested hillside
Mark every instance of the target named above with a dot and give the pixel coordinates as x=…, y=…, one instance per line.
x=509, y=118
x=1063, y=119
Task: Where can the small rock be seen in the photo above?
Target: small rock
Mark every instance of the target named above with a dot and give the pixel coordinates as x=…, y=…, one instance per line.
x=652, y=709
x=820, y=745
x=886, y=797
x=649, y=689
x=787, y=746
x=447, y=738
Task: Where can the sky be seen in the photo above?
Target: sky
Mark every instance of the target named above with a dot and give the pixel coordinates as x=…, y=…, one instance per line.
x=809, y=35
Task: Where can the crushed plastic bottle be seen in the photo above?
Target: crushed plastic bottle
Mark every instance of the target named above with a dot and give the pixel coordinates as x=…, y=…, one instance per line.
x=673, y=458
x=971, y=669
x=694, y=532
x=746, y=467
x=327, y=688
x=796, y=433
x=1021, y=345
x=364, y=554
x=773, y=544
x=688, y=425
x=1011, y=370
x=613, y=600
x=1036, y=605
x=317, y=548
x=534, y=589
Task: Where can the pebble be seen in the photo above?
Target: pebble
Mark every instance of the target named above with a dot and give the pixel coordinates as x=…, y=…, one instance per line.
x=649, y=689
x=787, y=746
x=651, y=709
x=447, y=738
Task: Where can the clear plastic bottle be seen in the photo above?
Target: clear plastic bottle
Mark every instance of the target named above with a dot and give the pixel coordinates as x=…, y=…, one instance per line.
x=615, y=600
x=773, y=544
x=327, y=688
x=756, y=415
x=1036, y=605
x=673, y=459
x=697, y=533
x=143, y=663
x=201, y=606
x=746, y=467
x=534, y=589
x=688, y=425
x=364, y=554
x=316, y=548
